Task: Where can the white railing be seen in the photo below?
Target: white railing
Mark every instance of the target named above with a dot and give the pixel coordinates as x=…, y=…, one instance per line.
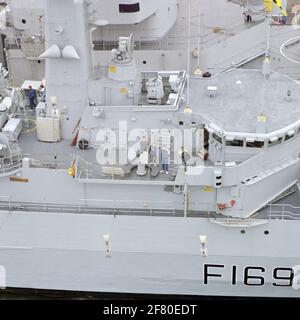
x=49, y=161
x=32, y=50
x=104, y=207
x=7, y=200
x=163, y=207
x=10, y=164
x=85, y=170
x=283, y=212
x=12, y=43
x=210, y=38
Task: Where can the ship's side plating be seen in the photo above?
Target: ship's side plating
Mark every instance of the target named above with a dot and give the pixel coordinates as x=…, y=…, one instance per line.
x=147, y=255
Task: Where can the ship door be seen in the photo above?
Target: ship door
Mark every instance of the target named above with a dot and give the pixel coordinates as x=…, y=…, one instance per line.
x=206, y=143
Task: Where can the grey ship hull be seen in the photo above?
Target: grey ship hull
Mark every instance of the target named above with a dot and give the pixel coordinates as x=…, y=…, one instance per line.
x=152, y=255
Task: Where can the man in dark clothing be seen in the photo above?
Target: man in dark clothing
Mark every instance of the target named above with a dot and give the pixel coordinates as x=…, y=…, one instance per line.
x=32, y=98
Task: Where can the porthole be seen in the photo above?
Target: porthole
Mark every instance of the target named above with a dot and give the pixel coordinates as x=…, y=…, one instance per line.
x=144, y=62
x=243, y=231
x=266, y=232
x=24, y=21
x=181, y=123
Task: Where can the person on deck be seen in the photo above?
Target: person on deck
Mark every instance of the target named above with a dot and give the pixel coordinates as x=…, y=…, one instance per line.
x=42, y=93
x=32, y=98
x=183, y=155
x=165, y=160
x=153, y=155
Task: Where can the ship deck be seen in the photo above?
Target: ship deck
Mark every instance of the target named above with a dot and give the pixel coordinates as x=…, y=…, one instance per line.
x=244, y=94
x=61, y=154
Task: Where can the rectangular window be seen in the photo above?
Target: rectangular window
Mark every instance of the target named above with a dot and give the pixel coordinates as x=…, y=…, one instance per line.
x=129, y=8
x=255, y=144
x=235, y=143
x=217, y=138
x=275, y=141
x=287, y=137
x=290, y=135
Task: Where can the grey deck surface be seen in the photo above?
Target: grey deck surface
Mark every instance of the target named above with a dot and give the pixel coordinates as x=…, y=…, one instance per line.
x=64, y=153
x=47, y=151
x=237, y=106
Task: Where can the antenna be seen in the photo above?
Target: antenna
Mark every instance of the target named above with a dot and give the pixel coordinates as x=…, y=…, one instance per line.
x=266, y=69
x=189, y=52
x=269, y=17
x=269, y=7
x=199, y=31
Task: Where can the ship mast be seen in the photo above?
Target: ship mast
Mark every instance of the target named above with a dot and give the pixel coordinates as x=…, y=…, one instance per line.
x=269, y=22
x=189, y=52
x=198, y=69
x=266, y=64
x=269, y=9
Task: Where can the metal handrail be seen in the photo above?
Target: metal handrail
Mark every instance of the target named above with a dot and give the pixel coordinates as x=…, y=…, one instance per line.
x=209, y=38
x=84, y=170
x=9, y=164
x=283, y=211
x=46, y=160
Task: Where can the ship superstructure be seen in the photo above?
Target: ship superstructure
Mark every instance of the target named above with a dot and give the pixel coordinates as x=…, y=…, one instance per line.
x=148, y=181
x=222, y=34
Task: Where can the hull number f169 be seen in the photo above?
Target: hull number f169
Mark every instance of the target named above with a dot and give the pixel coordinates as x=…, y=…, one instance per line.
x=250, y=275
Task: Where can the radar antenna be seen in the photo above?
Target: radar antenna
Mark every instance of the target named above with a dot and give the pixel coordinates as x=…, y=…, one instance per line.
x=131, y=45
x=124, y=53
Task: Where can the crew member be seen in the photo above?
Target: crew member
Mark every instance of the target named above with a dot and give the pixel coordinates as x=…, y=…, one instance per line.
x=32, y=98
x=165, y=160
x=42, y=93
x=183, y=155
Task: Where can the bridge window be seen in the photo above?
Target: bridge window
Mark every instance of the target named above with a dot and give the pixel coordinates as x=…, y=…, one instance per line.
x=254, y=144
x=290, y=135
x=275, y=141
x=129, y=8
x=217, y=138
x=234, y=142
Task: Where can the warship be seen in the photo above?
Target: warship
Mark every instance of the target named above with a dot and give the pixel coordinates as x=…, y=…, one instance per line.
x=126, y=179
